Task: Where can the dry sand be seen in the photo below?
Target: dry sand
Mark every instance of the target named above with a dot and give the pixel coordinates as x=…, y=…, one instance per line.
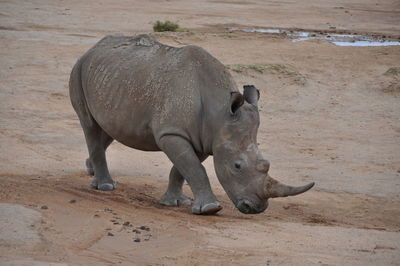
x=328, y=114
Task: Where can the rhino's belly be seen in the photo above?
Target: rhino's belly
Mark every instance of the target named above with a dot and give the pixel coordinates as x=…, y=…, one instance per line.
x=134, y=133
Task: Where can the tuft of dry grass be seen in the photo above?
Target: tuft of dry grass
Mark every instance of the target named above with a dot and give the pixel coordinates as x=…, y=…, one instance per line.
x=393, y=71
x=261, y=68
x=280, y=69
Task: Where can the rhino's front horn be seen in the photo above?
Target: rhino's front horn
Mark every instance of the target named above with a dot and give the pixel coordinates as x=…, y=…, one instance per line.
x=274, y=189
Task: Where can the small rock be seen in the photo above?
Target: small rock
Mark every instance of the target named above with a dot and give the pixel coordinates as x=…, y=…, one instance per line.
x=136, y=231
x=136, y=240
x=110, y=234
x=72, y=201
x=126, y=224
x=145, y=228
x=44, y=207
x=96, y=215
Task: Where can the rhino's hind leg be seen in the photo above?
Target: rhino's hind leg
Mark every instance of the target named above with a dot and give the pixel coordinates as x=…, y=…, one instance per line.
x=95, y=139
x=106, y=141
x=97, y=142
x=174, y=195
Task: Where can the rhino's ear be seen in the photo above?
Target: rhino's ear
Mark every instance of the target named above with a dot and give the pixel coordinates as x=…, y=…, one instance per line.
x=251, y=94
x=236, y=101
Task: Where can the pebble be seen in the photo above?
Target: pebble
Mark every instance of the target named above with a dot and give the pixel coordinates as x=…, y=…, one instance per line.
x=110, y=234
x=72, y=201
x=136, y=240
x=145, y=228
x=44, y=207
x=136, y=231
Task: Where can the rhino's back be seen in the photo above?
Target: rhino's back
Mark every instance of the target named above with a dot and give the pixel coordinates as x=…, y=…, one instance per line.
x=138, y=89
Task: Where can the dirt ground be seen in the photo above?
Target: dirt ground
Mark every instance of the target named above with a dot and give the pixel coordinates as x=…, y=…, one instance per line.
x=328, y=114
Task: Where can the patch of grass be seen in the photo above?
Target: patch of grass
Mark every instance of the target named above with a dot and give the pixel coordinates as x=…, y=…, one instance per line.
x=261, y=68
x=280, y=69
x=393, y=71
x=160, y=26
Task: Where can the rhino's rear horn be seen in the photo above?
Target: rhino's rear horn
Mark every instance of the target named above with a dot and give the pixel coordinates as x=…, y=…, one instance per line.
x=274, y=189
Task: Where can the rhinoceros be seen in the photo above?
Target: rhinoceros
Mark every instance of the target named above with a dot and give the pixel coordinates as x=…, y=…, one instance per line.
x=182, y=101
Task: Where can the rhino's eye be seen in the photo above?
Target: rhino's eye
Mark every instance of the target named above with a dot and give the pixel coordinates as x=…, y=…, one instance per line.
x=238, y=166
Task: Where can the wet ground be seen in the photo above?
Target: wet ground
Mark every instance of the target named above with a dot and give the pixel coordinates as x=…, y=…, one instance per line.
x=339, y=39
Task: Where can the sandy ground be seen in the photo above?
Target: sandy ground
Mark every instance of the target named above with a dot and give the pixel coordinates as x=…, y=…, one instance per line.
x=328, y=114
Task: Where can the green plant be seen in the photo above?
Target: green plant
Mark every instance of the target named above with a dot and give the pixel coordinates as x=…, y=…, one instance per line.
x=160, y=26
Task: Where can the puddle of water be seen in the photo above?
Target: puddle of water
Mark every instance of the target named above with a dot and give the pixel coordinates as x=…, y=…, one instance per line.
x=270, y=31
x=301, y=34
x=336, y=39
x=366, y=43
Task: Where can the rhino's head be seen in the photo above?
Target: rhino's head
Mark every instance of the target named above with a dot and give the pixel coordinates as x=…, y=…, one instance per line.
x=240, y=167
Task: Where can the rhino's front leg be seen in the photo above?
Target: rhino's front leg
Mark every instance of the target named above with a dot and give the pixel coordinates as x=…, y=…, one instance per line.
x=174, y=195
x=184, y=158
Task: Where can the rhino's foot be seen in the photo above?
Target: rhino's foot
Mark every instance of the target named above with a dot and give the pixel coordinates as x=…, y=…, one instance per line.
x=169, y=199
x=104, y=186
x=89, y=167
x=206, y=208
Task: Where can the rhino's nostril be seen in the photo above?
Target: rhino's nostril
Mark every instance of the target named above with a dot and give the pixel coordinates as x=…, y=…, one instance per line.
x=245, y=206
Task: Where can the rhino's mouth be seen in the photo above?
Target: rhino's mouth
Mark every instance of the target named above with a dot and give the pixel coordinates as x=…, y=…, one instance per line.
x=249, y=207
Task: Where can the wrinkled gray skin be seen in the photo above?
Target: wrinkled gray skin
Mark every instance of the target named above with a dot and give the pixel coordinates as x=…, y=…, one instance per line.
x=181, y=101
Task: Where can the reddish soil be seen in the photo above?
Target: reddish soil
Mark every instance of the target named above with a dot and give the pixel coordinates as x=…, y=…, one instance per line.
x=328, y=114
